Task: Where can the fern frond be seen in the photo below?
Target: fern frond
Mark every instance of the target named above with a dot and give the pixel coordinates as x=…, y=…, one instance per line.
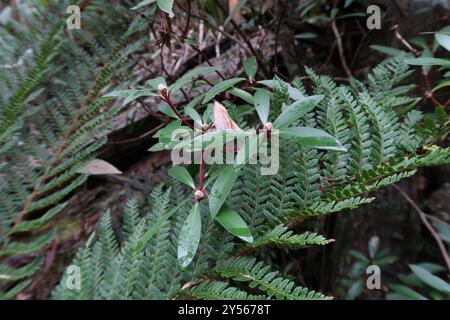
x=217, y=290
x=260, y=276
x=281, y=237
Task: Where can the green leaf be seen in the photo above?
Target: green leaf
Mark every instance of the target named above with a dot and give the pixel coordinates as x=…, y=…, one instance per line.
x=295, y=111
x=220, y=87
x=387, y=50
x=426, y=53
x=154, y=83
x=443, y=38
x=314, y=138
x=407, y=292
x=374, y=244
x=143, y=4
x=358, y=255
x=165, y=134
x=262, y=104
x=190, y=111
x=190, y=237
x=443, y=230
x=355, y=289
x=250, y=67
x=231, y=221
x=190, y=76
x=347, y=3
x=420, y=42
x=442, y=85
x=430, y=279
x=358, y=268
x=306, y=35
x=166, y=6
x=428, y=62
x=130, y=95
x=352, y=15
x=235, y=10
x=294, y=93
x=167, y=110
x=211, y=139
x=432, y=267
x=248, y=151
x=334, y=12
x=244, y=95
x=182, y=175
x=221, y=188
x=195, y=101
x=207, y=114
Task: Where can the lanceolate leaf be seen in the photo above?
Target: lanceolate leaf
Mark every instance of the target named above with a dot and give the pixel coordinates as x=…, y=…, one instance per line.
x=221, y=87
x=294, y=93
x=221, y=188
x=244, y=95
x=190, y=237
x=442, y=85
x=429, y=62
x=165, y=108
x=166, y=6
x=250, y=67
x=130, y=95
x=189, y=76
x=143, y=4
x=443, y=38
x=213, y=140
x=387, y=50
x=312, y=138
x=190, y=111
x=155, y=82
x=262, y=104
x=231, y=221
x=295, y=111
x=430, y=279
x=182, y=175
x=407, y=293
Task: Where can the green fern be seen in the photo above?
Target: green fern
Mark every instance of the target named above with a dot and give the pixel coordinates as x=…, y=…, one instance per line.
x=260, y=276
x=56, y=91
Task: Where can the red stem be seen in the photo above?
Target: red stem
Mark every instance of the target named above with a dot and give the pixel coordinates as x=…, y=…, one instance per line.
x=172, y=106
x=201, y=171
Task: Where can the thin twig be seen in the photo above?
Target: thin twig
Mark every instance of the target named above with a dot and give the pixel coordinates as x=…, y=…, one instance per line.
x=413, y=50
x=337, y=35
x=247, y=41
x=281, y=10
x=423, y=217
x=188, y=22
x=205, y=57
x=174, y=109
x=140, y=137
x=416, y=53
